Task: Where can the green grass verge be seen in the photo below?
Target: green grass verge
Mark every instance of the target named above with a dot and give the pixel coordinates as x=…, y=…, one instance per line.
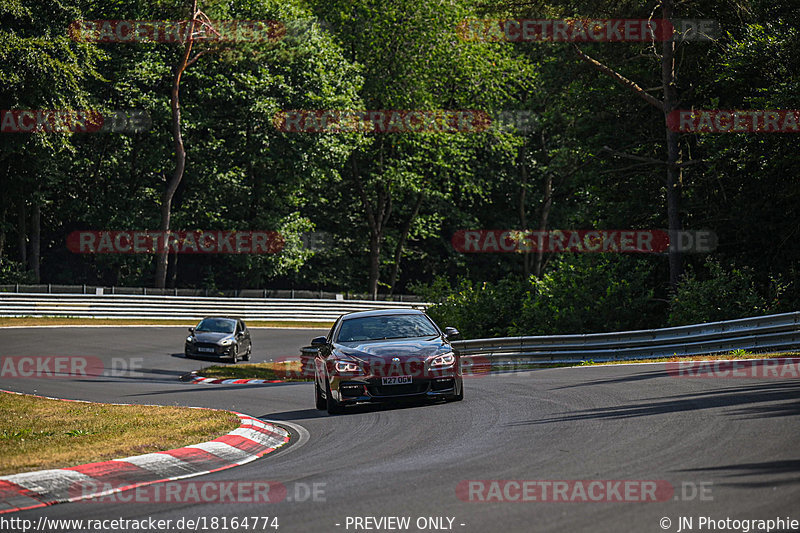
x=289, y=371
x=76, y=321
x=38, y=433
x=737, y=354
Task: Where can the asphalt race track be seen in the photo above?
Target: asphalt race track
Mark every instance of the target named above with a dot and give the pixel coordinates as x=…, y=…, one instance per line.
x=729, y=447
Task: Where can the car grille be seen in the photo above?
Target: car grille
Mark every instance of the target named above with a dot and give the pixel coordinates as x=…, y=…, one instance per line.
x=443, y=384
x=351, y=389
x=211, y=345
x=413, y=368
x=398, y=390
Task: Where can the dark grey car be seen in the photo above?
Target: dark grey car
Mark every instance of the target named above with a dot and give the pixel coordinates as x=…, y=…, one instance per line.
x=383, y=356
x=219, y=338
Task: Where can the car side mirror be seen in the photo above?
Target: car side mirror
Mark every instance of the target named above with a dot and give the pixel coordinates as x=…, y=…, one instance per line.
x=319, y=341
x=451, y=334
x=191, y=330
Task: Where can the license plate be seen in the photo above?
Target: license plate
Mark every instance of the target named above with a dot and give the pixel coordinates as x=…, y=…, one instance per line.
x=395, y=380
x=209, y=350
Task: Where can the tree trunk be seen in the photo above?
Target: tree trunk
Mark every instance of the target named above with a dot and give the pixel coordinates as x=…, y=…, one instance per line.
x=376, y=219
x=523, y=215
x=22, y=232
x=180, y=157
x=36, y=230
x=544, y=216
x=374, y=263
x=673, y=178
x=673, y=182
x=172, y=270
x=163, y=255
x=544, y=212
x=3, y=211
x=401, y=243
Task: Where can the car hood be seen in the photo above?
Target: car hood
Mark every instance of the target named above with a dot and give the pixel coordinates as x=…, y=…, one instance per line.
x=210, y=336
x=404, y=349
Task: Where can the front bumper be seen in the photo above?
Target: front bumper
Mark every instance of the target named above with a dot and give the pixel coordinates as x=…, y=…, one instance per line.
x=348, y=390
x=219, y=352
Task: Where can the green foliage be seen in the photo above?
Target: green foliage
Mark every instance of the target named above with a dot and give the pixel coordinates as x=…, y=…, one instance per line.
x=580, y=294
x=242, y=173
x=723, y=294
x=13, y=272
x=477, y=310
x=590, y=293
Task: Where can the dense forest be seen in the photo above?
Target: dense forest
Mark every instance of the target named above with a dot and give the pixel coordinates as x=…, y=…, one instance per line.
x=578, y=139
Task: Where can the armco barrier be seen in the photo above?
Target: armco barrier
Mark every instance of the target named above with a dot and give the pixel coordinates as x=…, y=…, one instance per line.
x=764, y=333
x=50, y=288
x=189, y=308
x=774, y=332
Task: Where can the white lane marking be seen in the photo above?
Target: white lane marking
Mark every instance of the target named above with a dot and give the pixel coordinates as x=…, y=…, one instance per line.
x=303, y=435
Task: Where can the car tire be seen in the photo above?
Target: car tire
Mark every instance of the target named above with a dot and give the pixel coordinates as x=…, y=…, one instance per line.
x=321, y=403
x=460, y=395
x=332, y=405
x=235, y=354
x=246, y=356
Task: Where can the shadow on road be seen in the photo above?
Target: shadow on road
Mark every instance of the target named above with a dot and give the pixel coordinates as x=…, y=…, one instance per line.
x=362, y=408
x=778, y=473
x=655, y=374
x=753, y=402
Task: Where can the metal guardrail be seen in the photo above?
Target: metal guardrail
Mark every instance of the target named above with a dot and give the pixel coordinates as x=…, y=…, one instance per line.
x=774, y=332
x=179, y=307
x=763, y=333
x=51, y=288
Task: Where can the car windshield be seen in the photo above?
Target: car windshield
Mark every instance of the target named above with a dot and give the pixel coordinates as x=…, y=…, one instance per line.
x=216, y=325
x=385, y=327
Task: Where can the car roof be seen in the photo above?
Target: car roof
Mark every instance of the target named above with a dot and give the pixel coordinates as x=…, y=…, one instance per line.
x=382, y=312
x=219, y=318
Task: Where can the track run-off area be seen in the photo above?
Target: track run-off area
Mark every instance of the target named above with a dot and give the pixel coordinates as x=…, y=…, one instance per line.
x=541, y=450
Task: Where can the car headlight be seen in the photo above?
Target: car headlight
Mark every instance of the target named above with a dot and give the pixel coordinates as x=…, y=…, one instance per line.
x=189, y=339
x=226, y=342
x=446, y=359
x=346, y=366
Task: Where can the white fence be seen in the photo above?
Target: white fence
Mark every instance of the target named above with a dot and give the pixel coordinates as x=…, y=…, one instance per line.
x=181, y=307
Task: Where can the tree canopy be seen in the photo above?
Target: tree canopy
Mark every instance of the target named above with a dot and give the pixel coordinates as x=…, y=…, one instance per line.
x=577, y=141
